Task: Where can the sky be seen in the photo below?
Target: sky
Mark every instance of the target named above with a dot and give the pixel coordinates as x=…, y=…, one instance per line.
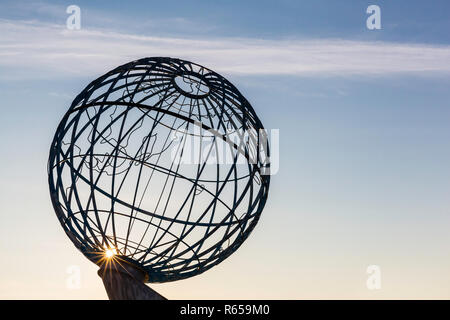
x=363, y=115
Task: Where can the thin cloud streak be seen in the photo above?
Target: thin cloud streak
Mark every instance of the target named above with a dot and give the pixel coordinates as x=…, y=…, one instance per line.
x=32, y=49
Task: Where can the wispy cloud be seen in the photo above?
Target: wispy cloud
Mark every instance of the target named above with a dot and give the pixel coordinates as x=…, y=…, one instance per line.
x=36, y=48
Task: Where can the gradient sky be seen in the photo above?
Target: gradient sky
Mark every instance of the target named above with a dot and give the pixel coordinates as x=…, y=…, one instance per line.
x=364, y=139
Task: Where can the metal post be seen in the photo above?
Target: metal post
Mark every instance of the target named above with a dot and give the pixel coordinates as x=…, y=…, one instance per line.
x=123, y=281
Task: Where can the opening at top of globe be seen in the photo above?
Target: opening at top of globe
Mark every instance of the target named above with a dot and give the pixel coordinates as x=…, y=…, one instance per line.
x=191, y=85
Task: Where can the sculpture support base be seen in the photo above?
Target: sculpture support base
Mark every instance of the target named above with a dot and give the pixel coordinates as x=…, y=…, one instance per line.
x=123, y=281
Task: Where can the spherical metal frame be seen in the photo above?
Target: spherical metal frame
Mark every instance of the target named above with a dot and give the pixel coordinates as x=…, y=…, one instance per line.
x=227, y=207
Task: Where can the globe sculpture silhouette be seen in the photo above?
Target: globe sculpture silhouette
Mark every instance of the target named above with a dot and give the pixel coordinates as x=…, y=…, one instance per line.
x=162, y=163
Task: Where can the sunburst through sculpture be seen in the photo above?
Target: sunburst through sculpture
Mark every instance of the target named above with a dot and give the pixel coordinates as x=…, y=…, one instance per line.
x=160, y=162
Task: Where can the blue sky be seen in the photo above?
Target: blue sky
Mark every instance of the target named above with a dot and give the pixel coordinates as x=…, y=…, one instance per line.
x=410, y=21
x=364, y=138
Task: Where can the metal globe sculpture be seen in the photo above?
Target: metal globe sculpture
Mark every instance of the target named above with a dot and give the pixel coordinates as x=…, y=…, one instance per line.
x=160, y=162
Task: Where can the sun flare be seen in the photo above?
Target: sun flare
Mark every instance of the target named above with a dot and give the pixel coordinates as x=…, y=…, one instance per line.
x=109, y=253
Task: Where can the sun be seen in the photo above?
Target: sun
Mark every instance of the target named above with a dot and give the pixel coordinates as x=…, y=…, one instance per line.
x=109, y=253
